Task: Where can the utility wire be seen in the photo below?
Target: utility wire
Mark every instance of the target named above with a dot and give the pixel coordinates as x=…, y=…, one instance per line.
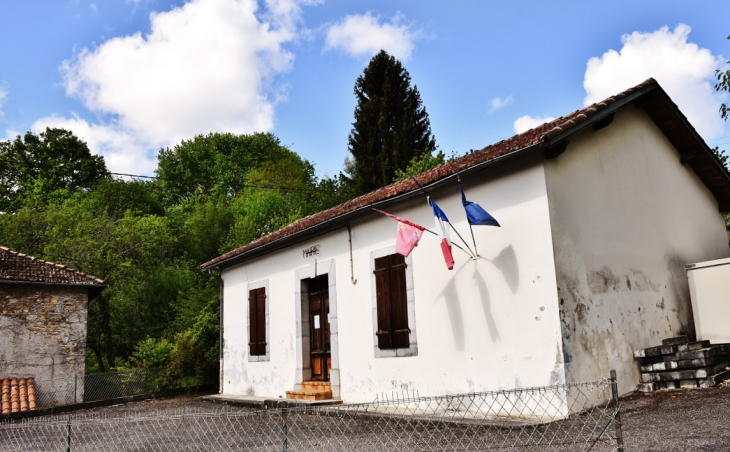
x=265, y=187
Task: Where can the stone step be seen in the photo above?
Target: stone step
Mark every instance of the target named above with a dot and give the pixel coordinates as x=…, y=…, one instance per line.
x=316, y=386
x=309, y=395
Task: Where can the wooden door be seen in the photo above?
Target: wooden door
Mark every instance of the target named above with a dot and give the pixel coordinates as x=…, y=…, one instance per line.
x=319, y=328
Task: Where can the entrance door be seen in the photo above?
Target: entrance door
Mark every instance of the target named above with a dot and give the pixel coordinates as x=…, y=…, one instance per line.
x=319, y=328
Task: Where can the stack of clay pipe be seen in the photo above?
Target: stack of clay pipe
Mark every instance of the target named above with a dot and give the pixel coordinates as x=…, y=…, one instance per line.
x=31, y=393
x=17, y=395
x=5, y=400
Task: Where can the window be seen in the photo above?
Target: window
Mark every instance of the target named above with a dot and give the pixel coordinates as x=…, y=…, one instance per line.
x=392, y=303
x=257, y=321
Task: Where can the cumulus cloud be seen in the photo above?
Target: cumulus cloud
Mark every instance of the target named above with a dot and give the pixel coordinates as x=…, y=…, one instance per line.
x=682, y=68
x=123, y=151
x=499, y=102
x=3, y=98
x=206, y=66
x=364, y=35
x=527, y=122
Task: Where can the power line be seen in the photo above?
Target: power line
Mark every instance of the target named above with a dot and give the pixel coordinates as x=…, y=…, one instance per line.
x=140, y=176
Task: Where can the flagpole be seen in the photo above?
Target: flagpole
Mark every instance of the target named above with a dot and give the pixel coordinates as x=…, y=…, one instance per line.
x=471, y=254
x=430, y=231
x=476, y=251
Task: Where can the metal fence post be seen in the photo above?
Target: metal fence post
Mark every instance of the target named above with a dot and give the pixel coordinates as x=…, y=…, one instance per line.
x=617, y=421
x=68, y=434
x=284, y=427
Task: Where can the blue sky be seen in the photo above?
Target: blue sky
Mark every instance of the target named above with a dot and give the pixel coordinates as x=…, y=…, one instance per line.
x=132, y=76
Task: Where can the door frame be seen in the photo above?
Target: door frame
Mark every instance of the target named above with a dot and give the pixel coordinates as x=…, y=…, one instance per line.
x=303, y=371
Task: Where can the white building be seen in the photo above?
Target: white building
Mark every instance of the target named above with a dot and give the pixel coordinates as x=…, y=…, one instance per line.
x=600, y=210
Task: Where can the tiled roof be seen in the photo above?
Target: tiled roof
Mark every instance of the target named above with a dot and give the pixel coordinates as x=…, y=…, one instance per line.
x=660, y=108
x=16, y=266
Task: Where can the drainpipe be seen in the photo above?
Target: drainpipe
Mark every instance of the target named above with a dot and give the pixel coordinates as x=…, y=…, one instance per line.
x=220, y=340
x=352, y=268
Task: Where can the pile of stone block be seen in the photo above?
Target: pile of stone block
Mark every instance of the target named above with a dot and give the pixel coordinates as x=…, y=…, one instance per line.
x=679, y=363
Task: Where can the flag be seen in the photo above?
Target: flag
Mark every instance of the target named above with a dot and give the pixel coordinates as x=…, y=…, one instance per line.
x=474, y=212
x=407, y=236
x=442, y=230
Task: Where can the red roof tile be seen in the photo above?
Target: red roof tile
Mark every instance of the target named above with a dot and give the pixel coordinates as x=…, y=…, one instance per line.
x=542, y=134
x=16, y=266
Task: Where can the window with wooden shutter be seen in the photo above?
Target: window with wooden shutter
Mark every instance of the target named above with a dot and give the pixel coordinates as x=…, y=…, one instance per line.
x=392, y=303
x=257, y=321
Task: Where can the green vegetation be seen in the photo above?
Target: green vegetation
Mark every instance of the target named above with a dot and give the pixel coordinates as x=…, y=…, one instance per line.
x=147, y=239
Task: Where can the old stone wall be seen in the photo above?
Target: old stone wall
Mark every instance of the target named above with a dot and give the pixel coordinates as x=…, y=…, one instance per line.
x=43, y=335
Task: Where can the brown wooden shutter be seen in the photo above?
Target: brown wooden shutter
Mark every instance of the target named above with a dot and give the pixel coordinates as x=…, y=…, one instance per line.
x=252, y=323
x=257, y=321
x=399, y=301
x=385, y=340
x=261, y=321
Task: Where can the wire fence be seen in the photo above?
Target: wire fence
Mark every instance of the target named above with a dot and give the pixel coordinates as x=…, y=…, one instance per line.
x=99, y=386
x=582, y=417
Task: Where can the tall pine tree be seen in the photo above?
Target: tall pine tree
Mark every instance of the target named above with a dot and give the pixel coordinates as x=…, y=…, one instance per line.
x=391, y=124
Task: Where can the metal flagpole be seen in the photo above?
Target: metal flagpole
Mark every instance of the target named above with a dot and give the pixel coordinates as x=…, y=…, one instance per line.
x=430, y=231
x=467, y=219
x=471, y=254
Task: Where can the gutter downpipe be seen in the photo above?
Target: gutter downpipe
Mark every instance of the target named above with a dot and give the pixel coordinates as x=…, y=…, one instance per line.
x=220, y=333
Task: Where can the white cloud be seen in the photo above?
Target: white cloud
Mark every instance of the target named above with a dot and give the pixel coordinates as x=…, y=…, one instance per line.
x=499, y=102
x=363, y=35
x=206, y=66
x=3, y=98
x=123, y=151
x=527, y=122
x=682, y=68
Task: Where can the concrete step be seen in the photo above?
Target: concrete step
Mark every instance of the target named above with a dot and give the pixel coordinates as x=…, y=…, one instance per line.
x=316, y=386
x=309, y=395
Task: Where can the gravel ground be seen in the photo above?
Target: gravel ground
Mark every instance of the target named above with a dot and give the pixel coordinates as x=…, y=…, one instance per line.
x=681, y=420
x=678, y=420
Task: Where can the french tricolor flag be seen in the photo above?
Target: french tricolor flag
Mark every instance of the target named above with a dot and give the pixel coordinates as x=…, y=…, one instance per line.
x=442, y=229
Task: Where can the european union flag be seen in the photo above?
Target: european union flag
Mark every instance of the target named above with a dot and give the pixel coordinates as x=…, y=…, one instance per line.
x=474, y=212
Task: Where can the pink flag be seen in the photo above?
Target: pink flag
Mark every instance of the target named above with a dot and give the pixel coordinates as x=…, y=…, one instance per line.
x=407, y=236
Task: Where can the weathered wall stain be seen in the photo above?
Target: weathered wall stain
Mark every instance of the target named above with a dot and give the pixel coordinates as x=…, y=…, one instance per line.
x=43, y=335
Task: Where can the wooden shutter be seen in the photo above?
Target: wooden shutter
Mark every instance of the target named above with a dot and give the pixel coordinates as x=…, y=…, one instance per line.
x=392, y=302
x=385, y=340
x=399, y=302
x=257, y=321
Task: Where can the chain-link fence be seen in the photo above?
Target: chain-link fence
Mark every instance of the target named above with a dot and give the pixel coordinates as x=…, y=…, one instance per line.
x=99, y=386
x=581, y=417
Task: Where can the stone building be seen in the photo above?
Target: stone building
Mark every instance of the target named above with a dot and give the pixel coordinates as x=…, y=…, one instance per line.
x=43, y=309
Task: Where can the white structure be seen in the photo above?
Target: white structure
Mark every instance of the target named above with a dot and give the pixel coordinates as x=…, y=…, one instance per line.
x=709, y=286
x=600, y=211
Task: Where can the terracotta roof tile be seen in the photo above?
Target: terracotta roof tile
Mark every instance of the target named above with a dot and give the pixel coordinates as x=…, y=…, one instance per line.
x=537, y=135
x=16, y=266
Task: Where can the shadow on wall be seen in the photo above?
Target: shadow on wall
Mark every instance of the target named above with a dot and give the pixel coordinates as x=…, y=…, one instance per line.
x=506, y=263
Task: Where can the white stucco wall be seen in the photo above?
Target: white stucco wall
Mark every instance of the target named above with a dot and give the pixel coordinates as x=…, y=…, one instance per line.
x=626, y=217
x=490, y=323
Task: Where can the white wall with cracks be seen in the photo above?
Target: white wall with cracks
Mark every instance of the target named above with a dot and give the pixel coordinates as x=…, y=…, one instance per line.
x=626, y=217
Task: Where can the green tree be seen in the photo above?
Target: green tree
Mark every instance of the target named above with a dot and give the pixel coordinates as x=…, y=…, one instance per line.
x=420, y=164
x=723, y=84
x=39, y=166
x=223, y=164
x=391, y=124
